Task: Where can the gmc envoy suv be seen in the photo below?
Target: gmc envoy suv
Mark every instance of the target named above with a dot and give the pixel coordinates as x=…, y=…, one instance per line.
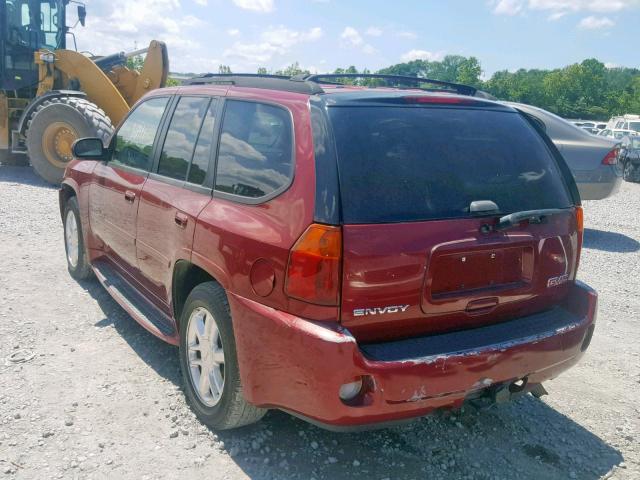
x=354, y=253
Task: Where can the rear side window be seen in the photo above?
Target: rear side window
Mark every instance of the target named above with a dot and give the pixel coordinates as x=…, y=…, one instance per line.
x=134, y=140
x=180, y=142
x=256, y=150
x=407, y=164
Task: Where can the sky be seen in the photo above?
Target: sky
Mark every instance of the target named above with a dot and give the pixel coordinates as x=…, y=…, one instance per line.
x=324, y=34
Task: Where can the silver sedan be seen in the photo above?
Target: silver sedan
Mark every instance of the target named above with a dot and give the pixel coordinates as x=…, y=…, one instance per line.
x=593, y=160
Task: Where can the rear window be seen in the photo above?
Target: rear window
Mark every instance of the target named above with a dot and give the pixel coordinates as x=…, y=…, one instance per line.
x=400, y=164
x=255, y=159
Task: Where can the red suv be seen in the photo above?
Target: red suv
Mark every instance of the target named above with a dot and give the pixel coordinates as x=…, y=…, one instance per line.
x=351, y=255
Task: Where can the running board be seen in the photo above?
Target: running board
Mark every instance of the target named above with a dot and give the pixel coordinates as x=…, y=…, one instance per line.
x=145, y=313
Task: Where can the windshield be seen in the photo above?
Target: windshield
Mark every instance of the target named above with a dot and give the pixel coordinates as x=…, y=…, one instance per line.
x=400, y=164
x=35, y=24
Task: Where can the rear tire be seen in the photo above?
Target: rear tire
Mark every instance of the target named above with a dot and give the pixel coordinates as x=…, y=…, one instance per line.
x=631, y=172
x=53, y=128
x=77, y=261
x=228, y=409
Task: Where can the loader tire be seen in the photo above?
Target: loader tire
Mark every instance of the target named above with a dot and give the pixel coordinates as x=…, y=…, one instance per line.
x=53, y=128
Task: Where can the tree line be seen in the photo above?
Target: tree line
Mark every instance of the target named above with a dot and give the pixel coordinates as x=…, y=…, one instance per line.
x=587, y=90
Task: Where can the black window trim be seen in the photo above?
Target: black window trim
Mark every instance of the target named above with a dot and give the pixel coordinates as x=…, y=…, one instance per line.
x=328, y=208
x=127, y=168
x=207, y=185
x=275, y=193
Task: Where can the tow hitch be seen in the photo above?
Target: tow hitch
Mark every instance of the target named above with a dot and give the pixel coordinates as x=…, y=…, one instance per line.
x=506, y=392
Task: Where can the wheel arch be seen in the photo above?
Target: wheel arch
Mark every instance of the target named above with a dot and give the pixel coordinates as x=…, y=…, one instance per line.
x=187, y=276
x=67, y=190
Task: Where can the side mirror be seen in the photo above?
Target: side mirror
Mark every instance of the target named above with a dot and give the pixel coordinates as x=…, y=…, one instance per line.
x=89, y=149
x=82, y=14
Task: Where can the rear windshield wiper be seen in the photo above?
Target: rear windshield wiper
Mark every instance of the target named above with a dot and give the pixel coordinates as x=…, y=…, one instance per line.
x=533, y=216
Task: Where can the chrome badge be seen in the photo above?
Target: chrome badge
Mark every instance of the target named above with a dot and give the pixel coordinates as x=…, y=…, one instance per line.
x=555, y=281
x=363, y=312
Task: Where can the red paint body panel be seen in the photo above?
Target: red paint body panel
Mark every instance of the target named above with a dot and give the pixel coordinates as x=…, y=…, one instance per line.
x=298, y=365
x=441, y=268
x=114, y=196
x=165, y=227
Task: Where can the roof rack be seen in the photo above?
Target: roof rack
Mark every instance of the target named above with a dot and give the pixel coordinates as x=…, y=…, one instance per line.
x=401, y=80
x=256, y=80
x=311, y=84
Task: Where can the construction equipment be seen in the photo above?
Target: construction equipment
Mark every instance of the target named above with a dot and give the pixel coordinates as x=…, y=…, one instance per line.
x=50, y=96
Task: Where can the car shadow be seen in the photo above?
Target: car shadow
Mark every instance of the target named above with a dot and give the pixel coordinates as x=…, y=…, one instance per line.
x=23, y=176
x=523, y=439
x=609, y=241
x=159, y=355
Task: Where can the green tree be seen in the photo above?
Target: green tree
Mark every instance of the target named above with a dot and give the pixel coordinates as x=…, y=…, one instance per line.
x=224, y=69
x=292, y=70
x=469, y=71
x=135, y=63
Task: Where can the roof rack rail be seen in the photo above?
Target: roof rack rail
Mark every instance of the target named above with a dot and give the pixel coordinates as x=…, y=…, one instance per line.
x=256, y=80
x=400, y=80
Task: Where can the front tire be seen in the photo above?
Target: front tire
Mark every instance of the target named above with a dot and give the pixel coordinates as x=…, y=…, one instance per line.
x=209, y=362
x=53, y=128
x=77, y=262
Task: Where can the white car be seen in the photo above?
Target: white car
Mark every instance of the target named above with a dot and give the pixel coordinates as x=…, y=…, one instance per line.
x=618, y=133
x=625, y=122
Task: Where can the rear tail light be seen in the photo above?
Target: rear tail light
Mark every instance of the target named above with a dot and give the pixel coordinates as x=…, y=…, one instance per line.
x=313, y=273
x=611, y=158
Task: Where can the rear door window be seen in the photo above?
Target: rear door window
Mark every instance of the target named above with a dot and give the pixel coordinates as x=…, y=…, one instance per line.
x=255, y=159
x=399, y=164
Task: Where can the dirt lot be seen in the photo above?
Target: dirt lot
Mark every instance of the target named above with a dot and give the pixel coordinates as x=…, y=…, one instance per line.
x=87, y=393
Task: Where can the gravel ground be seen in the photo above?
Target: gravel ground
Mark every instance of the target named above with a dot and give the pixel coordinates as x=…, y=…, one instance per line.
x=87, y=393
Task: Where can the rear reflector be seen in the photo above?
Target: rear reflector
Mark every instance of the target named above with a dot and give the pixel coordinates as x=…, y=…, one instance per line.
x=580, y=221
x=313, y=274
x=580, y=229
x=349, y=391
x=611, y=158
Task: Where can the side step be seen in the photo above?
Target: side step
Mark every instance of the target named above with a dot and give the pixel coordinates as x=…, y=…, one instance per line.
x=145, y=313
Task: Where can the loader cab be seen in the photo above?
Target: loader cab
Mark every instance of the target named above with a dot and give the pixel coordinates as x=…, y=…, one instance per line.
x=28, y=26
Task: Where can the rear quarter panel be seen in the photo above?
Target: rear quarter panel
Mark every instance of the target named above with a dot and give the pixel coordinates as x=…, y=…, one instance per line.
x=233, y=239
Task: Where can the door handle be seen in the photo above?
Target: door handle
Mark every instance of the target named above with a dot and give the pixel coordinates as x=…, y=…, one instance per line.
x=181, y=219
x=129, y=196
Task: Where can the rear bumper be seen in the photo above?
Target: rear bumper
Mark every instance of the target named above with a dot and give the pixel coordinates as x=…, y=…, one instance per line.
x=600, y=183
x=290, y=363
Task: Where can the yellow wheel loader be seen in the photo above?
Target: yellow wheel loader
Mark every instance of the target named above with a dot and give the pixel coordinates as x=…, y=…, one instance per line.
x=50, y=96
